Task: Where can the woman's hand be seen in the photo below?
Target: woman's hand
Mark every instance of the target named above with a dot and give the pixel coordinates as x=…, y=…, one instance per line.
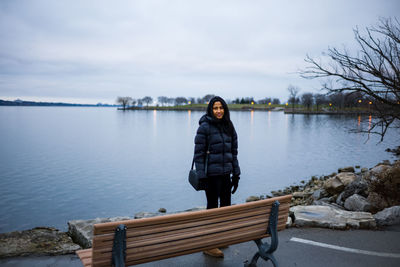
x=235, y=183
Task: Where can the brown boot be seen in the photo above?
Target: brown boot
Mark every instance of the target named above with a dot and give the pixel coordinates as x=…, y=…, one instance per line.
x=215, y=252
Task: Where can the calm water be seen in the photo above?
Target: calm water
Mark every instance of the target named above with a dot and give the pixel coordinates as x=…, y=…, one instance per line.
x=64, y=163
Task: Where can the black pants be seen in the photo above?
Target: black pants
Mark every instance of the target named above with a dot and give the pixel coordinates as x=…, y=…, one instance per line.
x=218, y=188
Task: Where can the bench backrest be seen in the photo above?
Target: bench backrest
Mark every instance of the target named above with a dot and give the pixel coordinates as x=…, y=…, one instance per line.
x=161, y=237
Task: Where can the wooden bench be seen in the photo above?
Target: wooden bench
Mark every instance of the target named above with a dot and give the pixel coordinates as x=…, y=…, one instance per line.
x=138, y=241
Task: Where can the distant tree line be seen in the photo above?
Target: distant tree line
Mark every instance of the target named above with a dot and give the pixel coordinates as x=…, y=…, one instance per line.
x=337, y=100
x=127, y=101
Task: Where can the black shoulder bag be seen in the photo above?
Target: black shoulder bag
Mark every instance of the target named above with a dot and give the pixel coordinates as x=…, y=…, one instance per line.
x=197, y=183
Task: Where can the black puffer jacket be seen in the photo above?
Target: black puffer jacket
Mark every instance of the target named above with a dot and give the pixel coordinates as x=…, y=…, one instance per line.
x=223, y=148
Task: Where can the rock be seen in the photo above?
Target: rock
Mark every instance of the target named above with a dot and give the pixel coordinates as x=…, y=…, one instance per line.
x=252, y=198
x=364, y=170
x=377, y=170
x=329, y=217
x=359, y=186
x=389, y=216
x=162, y=210
x=357, y=203
x=289, y=222
x=81, y=231
x=333, y=185
x=346, y=169
x=319, y=193
x=377, y=202
x=346, y=177
x=340, y=199
x=38, y=241
x=298, y=194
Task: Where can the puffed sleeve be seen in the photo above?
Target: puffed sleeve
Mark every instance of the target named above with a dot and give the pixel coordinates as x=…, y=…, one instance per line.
x=200, y=148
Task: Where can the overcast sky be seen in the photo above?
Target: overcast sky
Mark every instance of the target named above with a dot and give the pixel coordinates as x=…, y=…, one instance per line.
x=93, y=51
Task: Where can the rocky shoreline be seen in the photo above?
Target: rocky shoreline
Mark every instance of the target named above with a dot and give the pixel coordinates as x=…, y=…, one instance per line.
x=351, y=198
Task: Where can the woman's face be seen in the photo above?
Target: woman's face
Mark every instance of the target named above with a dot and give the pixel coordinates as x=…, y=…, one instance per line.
x=218, y=110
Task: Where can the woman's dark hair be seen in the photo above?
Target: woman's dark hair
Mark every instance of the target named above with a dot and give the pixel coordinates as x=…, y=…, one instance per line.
x=226, y=122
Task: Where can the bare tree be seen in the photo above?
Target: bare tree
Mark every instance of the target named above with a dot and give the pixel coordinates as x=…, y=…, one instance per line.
x=374, y=72
x=147, y=100
x=124, y=101
x=163, y=100
x=307, y=100
x=293, y=91
x=180, y=100
x=319, y=99
x=276, y=101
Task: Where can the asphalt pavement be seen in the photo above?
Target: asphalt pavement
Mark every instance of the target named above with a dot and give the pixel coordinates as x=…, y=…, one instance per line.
x=309, y=247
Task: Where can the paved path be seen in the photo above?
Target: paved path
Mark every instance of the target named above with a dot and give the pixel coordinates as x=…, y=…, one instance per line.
x=311, y=247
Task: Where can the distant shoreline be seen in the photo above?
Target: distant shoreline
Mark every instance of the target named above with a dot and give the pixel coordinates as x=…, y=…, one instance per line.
x=49, y=104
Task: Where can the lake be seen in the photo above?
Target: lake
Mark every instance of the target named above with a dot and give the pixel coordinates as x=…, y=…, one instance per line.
x=66, y=163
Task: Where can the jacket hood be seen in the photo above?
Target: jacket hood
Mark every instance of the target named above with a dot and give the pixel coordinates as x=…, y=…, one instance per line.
x=205, y=118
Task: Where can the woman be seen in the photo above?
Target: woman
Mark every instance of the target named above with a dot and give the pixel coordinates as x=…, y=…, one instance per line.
x=216, y=136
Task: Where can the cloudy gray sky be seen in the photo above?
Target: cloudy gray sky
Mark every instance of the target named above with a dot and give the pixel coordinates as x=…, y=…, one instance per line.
x=93, y=51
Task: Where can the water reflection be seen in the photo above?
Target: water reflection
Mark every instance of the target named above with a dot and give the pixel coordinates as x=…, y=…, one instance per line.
x=252, y=125
x=369, y=122
x=154, y=123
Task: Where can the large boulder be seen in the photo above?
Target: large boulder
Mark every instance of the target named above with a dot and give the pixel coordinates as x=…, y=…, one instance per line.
x=81, y=231
x=330, y=217
x=385, y=181
x=333, y=185
x=388, y=216
x=357, y=203
x=358, y=186
x=377, y=170
x=38, y=241
x=346, y=177
x=377, y=201
x=319, y=193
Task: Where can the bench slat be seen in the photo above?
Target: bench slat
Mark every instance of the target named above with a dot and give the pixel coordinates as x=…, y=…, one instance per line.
x=85, y=255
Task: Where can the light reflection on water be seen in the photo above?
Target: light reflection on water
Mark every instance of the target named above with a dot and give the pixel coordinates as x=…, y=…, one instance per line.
x=60, y=164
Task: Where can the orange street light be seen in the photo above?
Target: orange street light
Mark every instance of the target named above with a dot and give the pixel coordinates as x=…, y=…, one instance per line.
x=269, y=104
x=252, y=102
x=287, y=104
x=330, y=104
x=370, y=102
x=359, y=101
x=190, y=102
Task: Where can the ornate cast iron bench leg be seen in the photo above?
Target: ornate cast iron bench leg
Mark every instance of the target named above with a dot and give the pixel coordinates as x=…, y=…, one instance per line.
x=266, y=250
x=119, y=246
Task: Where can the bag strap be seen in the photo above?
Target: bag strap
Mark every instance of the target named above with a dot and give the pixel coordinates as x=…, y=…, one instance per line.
x=207, y=153
x=206, y=161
